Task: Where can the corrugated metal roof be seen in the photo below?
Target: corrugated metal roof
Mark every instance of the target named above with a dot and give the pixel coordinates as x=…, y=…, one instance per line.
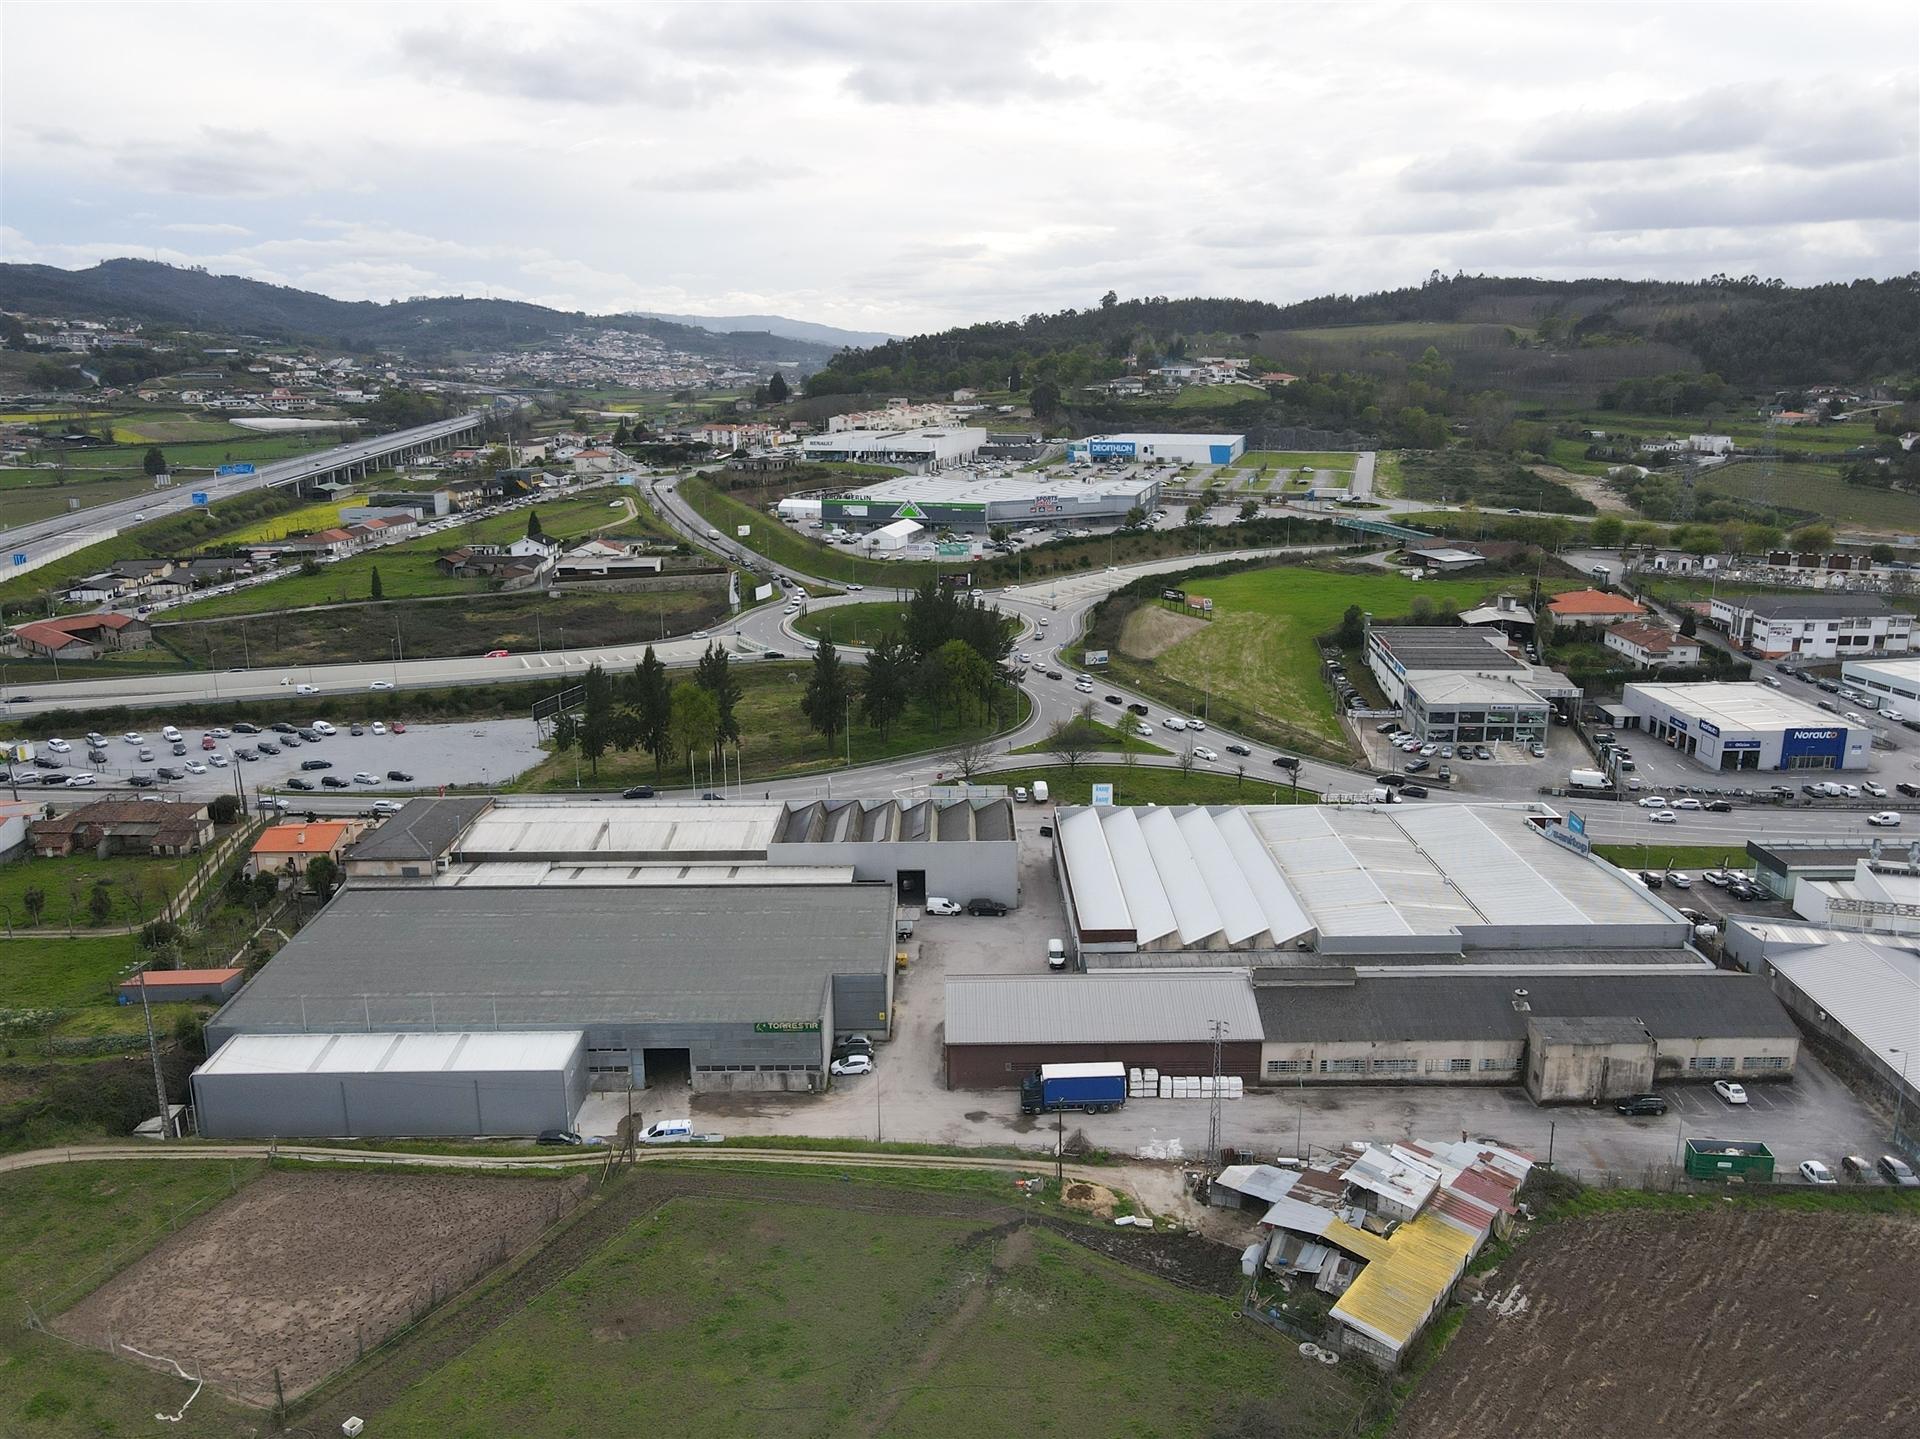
x=1286, y=919
x=637, y=829
x=1097, y=894
x=1104, y=1006
x=1258, y=1181
x=1139, y=882
x=394, y=1053
x=1193, y=911
x=1241, y=916
x=423, y=829
x=1873, y=990
x=1398, y=1292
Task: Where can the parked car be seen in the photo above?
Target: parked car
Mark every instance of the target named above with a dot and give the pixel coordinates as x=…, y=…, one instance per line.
x=936, y=905
x=297, y=783
x=558, y=1137
x=242, y=727
x=1855, y=1167
x=1639, y=1104
x=362, y=777
x=316, y=764
x=1650, y=879
x=1417, y=766
x=1814, y=1172
x=1729, y=1091
x=852, y=1064
x=1688, y=803
x=333, y=781
x=986, y=908
x=1653, y=801
x=1897, y=1171
x=269, y=747
x=1679, y=879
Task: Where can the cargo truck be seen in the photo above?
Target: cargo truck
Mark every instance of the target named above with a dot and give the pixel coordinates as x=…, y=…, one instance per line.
x=1096, y=1088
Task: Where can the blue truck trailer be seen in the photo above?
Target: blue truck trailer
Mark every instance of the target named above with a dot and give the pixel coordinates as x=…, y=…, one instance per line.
x=1097, y=1088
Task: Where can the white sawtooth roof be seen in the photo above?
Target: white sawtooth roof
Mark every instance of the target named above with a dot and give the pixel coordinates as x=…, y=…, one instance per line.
x=1139, y=880
x=1241, y=916
x=1186, y=891
x=1097, y=894
x=1286, y=920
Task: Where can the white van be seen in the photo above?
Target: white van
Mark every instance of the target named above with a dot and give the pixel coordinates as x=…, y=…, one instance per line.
x=170, y=734
x=1040, y=794
x=1174, y=722
x=1056, y=955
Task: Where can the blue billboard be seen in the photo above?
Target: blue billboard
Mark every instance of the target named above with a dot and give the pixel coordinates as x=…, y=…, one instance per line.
x=234, y=470
x=1111, y=449
x=199, y=497
x=1827, y=744
x=19, y=557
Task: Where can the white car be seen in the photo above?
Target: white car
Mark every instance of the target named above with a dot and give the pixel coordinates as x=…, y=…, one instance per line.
x=1814, y=1172
x=1878, y=791
x=1665, y=816
x=1886, y=819
x=81, y=779
x=364, y=778
x=217, y=732
x=1729, y=1091
x=1895, y=715
x=1654, y=801
x=1196, y=724
x=1679, y=879
x=322, y=727
x=937, y=905
x=305, y=690
x=132, y=737
x=58, y=746
x=1688, y=803
x=386, y=806
x=381, y=685
x=1201, y=751
x=379, y=728
x=1428, y=751
x=195, y=767
x=1851, y=791
x=852, y=1064
x=1144, y=730
x=218, y=761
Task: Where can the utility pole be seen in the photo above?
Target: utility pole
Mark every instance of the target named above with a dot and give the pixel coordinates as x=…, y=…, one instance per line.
x=153, y=1053
x=1220, y=1028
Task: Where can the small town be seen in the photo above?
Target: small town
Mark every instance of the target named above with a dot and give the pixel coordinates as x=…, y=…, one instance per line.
x=686, y=750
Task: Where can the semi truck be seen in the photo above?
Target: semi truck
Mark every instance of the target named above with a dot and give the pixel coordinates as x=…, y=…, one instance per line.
x=1095, y=1088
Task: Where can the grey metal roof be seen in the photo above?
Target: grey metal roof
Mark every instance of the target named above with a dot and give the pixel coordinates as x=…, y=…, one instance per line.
x=423, y=829
x=1444, y=647
x=1711, y=1004
x=430, y=958
x=1105, y=1006
x=1871, y=989
x=855, y=821
x=1586, y=1030
x=1787, y=607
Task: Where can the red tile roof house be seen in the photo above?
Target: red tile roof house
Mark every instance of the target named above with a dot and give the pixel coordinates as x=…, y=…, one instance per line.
x=1651, y=645
x=82, y=637
x=1593, y=607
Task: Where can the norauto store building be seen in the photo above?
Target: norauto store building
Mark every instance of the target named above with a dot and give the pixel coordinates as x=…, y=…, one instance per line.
x=1747, y=727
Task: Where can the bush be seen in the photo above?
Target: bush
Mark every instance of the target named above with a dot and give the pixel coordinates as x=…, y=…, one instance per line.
x=159, y=934
x=225, y=809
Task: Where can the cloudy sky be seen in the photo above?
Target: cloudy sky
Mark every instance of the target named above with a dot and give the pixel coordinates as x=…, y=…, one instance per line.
x=906, y=167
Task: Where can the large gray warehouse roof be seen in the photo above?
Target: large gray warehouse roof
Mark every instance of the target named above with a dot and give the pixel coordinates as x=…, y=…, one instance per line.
x=1104, y=1006
x=1434, y=647
x=423, y=829
x=1711, y=1004
x=463, y=958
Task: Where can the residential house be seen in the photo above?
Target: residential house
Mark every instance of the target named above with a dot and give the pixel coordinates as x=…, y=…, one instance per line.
x=1593, y=607
x=163, y=827
x=598, y=462
x=287, y=849
x=1652, y=645
x=1710, y=444
x=83, y=637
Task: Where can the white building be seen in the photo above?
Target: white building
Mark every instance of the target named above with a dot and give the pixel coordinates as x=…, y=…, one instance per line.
x=1652, y=646
x=895, y=536
x=1813, y=626
x=1179, y=449
x=1884, y=680
x=924, y=449
x=1746, y=727
x=1710, y=444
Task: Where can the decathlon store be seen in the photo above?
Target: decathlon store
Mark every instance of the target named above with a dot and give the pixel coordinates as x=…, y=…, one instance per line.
x=1747, y=727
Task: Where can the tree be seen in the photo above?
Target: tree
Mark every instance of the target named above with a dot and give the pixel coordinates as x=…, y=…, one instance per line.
x=1109, y=300
x=596, y=716
x=1881, y=554
x=883, y=686
x=1689, y=624
x=1194, y=517
x=1248, y=509
x=534, y=531
x=322, y=875
x=714, y=674
x=1135, y=518
x=35, y=899
x=777, y=389
x=374, y=587
x=826, y=701
x=1758, y=539
x=998, y=534
x=154, y=462
x=100, y=904
x=969, y=676
x=653, y=703
x=1812, y=537
x=224, y=809
x=1071, y=740
x=1353, y=628
x=1044, y=397
x=1606, y=531
x=623, y=730
x=969, y=757
x=566, y=731
x=694, y=721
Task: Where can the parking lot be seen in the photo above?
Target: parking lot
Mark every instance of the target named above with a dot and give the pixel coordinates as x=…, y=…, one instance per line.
x=475, y=752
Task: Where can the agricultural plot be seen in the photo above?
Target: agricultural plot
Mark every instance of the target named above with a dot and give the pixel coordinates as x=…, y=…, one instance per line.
x=1708, y=1321
x=298, y=1274
x=1819, y=489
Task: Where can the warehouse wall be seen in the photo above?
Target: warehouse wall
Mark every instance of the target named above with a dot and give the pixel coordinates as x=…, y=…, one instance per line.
x=956, y=869
x=348, y=1106
x=1361, y=1061
x=1003, y=1066
x=1575, y=1073
x=1752, y=1058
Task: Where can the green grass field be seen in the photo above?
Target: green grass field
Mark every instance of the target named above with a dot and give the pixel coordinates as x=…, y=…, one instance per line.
x=1207, y=397
x=139, y=878
x=1675, y=856
x=1818, y=488
x=63, y=1230
x=1159, y=784
x=721, y=1317
x=1294, y=459
x=856, y=624
x=1120, y=741
x=63, y=973
x=1257, y=657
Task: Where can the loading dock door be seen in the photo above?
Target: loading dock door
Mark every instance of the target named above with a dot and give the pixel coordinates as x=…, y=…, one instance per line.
x=912, y=886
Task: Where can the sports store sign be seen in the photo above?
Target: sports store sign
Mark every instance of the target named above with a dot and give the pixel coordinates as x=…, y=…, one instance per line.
x=1112, y=449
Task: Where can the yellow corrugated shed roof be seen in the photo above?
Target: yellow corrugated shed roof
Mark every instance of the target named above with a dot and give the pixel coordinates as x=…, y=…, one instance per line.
x=1361, y=1242
x=1397, y=1292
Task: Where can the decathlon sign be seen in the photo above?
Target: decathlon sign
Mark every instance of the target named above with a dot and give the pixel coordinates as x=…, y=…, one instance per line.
x=1111, y=449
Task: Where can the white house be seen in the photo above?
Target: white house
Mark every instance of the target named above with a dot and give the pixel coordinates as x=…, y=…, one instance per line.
x=1652, y=646
x=1710, y=444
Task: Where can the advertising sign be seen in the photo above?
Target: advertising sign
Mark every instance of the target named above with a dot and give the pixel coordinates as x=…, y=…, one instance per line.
x=1568, y=839
x=953, y=549
x=786, y=1026
x=1093, y=657
x=1576, y=822
x=623, y=479
x=1709, y=727
x=765, y=592
x=1740, y=744
x=1111, y=449
x=199, y=497
x=743, y=530
x=1102, y=794
x=234, y=470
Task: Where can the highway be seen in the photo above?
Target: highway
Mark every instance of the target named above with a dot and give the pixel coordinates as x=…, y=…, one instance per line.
x=36, y=539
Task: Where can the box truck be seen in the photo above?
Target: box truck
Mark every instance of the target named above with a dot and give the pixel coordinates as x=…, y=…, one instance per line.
x=1095, y=1088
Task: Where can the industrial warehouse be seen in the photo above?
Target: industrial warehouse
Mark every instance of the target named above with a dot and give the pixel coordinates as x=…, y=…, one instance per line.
x=1171, y=449
x=924, y=449
x=1746, y=727
x=977, y=503
x=1462, y=684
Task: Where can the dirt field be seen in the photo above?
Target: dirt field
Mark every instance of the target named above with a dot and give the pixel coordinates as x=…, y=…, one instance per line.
x=1151, y=631
x=301, y=1271
x=1722, y=1321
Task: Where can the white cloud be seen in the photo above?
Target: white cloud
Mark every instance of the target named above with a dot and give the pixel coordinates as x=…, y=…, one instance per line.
x=907, y=166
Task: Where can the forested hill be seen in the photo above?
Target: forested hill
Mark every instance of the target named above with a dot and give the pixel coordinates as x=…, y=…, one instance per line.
x=171, y=295
x=1748, y=331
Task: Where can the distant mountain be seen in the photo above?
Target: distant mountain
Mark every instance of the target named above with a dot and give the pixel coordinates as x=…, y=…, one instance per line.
x=171, y=295
x=779, y=325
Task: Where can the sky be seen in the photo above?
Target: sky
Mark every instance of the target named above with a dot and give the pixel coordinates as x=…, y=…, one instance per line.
x=910, y=167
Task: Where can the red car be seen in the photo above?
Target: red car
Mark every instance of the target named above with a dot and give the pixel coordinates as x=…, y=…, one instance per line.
x=495, y=655
x=398, y=727
x=207, y=741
